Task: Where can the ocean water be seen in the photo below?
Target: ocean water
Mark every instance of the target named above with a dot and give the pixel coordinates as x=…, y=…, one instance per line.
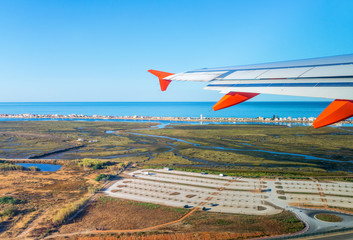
x=167, y=109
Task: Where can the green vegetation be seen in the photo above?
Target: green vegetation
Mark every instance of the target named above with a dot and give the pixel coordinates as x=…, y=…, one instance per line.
x=33, y=169
x=93, y=163
x=167, y=159
x=109, y=152
x=338, y=195
x=11, y=167
x=251, y=153
x=9, y=200
x=273, y=138
x=93, y=189
x=105, y=199
x=146, y=205
x=103, y=177
x=9, y=212
x=342, y=208
x=285, y=222
x=22, y=139
x=248, y=160
x=152, y=206
x=308, y=193
x=293, y=224
x=223, y=222
x=328, y=217
x=239, y=157
x=280, y=138
x=250, y=172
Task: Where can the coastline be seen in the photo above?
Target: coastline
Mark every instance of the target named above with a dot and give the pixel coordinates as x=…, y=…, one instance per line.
x=274, y=120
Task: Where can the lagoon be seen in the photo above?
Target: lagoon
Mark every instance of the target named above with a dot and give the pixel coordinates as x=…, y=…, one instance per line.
x=43, y=167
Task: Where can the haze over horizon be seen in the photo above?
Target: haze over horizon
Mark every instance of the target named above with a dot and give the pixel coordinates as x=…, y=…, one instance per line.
x=97, y=51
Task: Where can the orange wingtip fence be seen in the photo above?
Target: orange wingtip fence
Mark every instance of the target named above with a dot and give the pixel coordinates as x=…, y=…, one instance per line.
x=162, y=82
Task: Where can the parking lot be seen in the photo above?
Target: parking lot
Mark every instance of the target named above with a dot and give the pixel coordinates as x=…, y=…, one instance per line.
x=229, y=194
x=333, y=194
x=209, y=192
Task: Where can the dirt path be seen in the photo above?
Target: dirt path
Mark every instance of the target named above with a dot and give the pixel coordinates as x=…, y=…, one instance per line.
x=148, y=228
x=30, y=227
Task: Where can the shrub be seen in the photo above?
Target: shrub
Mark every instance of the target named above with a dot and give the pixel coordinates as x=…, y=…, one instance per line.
x=328, y=217
x=14, y=167
x=9, y=200
x=280, y=192
x=147, y=205
x=104, y=177
x=93, y=163
x=34, y=169
x=98, y=166
x=11, y=167
x=92, y=189
x=223, y=222
x=9, y=211
x=69, y=210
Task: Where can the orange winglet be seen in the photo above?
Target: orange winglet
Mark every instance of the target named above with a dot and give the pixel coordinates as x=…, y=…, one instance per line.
x=163, y=83
x=337, y=111
x=232, y=99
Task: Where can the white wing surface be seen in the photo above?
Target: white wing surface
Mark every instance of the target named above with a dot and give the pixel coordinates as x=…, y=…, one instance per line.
x=327, y=77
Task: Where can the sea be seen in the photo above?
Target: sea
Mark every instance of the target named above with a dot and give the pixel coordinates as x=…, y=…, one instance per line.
x=167, y=109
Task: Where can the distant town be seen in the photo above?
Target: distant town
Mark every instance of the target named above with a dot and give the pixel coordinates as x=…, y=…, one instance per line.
x=274, y=119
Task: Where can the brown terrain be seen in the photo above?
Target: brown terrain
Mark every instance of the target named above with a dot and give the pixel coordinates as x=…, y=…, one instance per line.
x=115, y=217
x=110, y=213
x=41, y=195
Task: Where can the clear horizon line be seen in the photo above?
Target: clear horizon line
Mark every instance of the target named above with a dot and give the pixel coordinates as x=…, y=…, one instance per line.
x=148, y=101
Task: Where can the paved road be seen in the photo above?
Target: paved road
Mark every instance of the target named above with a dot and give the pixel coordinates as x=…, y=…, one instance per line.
x=316, y=226
x=337, y=236
x=345, y=236
x=307, y=215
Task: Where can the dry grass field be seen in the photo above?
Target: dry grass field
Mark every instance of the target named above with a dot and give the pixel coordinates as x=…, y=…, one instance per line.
x=116, y=214
x=40, y=195
x=282, y=223
x=177, y=236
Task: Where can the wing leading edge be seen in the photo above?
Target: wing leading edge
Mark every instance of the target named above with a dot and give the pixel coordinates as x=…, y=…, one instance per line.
x=329, y=77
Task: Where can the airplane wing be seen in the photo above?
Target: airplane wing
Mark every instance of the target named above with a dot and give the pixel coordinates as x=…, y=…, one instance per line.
x=327, y=77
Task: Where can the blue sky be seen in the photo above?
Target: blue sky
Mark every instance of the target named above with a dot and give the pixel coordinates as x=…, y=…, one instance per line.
x=85, y=50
